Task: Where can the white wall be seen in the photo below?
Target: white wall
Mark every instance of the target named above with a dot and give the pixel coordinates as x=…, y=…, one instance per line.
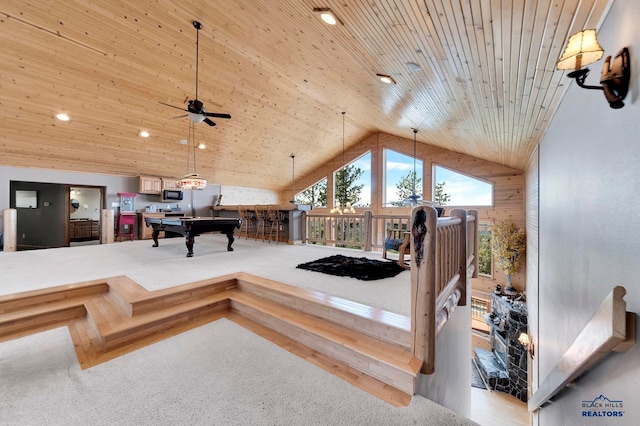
x=589, y=228
x=449, y=384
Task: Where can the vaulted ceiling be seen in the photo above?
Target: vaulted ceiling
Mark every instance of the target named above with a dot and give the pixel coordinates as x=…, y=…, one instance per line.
x=486, y=84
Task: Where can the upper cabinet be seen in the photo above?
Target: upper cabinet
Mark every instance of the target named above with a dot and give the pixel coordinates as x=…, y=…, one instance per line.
x=169, y=183
x=149, y=185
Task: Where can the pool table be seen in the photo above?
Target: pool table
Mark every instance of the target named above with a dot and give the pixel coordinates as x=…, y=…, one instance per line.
x=192, y=227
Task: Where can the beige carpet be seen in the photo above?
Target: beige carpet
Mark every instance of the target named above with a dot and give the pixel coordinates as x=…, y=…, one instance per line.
x=167, y=266
x=218, y=374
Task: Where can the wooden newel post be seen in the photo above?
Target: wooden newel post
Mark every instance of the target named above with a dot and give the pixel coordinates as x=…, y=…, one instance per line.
x=10, y=229
x=304, y=235
x=368, y=226
x=423, y=285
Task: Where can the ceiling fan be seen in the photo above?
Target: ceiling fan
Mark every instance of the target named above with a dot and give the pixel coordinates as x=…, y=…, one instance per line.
x=195, y=107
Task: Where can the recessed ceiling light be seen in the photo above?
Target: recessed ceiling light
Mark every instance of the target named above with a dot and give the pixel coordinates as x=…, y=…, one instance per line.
x=413, y=66
x=386, y=78
x=201, y=145
x=63, y=117
x=327, y=15
x=183, y=141
x=144, y=133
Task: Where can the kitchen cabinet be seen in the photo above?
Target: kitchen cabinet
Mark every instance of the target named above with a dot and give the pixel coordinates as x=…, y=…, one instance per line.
x=169, y=183
x=149, y=185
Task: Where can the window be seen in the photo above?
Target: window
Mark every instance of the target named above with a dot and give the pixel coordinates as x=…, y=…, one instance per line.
x=315, y=195
x=484, y=250
x=352, y=183
x=457, y=189
x=399, y=179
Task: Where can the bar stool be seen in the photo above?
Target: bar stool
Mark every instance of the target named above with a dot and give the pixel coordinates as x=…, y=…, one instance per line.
x=275, y=218
x=262, y=218
x=126, y=222
x=248, y=222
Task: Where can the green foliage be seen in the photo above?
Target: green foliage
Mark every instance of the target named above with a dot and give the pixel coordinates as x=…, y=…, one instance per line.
x=406, y=186
x=484, y=253
x=441, y=198
x=316, y=195
x=346, y=190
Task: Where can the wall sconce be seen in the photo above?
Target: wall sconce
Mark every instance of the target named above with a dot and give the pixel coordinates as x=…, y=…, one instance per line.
x=583, y=49
x=526, y=342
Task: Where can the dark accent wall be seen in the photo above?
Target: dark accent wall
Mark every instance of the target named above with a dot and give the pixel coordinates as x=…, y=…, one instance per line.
x=45, y=225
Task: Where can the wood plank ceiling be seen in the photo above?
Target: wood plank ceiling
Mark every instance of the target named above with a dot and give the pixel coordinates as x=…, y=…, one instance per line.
x=487, y=84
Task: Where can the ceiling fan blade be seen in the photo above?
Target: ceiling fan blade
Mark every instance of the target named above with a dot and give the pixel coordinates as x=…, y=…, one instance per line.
x=216, y=114
x=209, y=122
x=172, y=106
x=180, y=116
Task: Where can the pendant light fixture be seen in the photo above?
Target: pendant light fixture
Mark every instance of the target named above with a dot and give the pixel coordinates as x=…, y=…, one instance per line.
x=347, y=209
x=191, y=180
x=414, y=199
x=293, y=178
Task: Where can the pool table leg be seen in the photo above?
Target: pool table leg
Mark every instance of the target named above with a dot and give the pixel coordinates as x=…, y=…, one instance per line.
x=231, y=240
x=154, y=235
x=189, y=242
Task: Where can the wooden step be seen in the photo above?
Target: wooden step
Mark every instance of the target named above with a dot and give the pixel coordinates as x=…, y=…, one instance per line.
x=41, y=317
x=375, y=387
x=116, y=328
x=383, y=325
x=165, y=298
x=391, y=364
x=31, y=299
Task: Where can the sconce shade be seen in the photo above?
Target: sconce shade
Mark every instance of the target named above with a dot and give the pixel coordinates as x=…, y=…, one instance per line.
x=582, y=49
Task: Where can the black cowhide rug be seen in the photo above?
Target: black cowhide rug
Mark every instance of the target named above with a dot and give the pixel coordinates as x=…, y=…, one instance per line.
x=355, y=267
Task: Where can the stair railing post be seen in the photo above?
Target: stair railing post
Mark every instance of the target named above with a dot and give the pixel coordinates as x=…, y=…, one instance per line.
x=423, y=225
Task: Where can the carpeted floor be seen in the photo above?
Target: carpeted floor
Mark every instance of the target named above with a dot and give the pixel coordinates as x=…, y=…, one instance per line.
x=216, y=374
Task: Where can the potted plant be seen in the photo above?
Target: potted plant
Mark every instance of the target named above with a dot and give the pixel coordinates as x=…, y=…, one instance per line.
x=508, y=244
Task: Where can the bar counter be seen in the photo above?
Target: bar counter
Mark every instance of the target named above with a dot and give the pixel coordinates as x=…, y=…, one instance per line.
x=293, y=216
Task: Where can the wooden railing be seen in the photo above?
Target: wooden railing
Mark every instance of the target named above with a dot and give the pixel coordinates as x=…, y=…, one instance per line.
x=443, y=258
x=611, y=328
x=364, y=231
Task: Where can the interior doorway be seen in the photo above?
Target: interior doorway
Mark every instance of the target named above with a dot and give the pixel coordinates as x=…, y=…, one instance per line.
x=85, y=205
